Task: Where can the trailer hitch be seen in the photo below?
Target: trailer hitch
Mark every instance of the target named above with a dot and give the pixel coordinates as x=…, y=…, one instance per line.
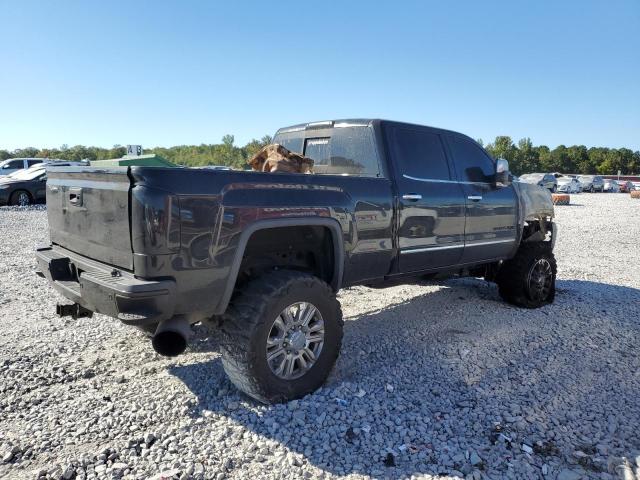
x=74, y=310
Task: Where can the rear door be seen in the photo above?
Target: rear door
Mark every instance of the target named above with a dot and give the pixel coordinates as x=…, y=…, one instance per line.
x=491, y=211
x=430, y=201
x=88, y=211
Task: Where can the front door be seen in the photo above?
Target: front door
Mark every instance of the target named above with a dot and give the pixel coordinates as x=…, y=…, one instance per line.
x=430, y=202
x=491, y=213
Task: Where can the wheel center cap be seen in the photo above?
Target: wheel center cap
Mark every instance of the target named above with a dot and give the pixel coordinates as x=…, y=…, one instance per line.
x=298, y=340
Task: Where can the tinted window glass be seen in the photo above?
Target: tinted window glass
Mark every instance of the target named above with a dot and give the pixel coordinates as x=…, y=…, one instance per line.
x=472, y=163
x=33, y=162
x=292, y=141
x=318, y=150
x=420, y=154
x=349, y=150
x=16, y=164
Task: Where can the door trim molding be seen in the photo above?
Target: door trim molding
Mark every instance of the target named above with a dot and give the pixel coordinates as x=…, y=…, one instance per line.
x=434, y=180
x=431, y=249
x=448, y=247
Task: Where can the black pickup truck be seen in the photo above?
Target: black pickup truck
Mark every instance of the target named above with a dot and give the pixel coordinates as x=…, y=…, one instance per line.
x=263, y=254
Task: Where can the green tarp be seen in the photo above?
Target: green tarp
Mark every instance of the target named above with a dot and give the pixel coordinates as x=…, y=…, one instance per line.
x=150, y=160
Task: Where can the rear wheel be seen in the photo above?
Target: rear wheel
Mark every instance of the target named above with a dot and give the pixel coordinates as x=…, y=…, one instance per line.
x=281, y=336
x=529, y=279
x=20, y=197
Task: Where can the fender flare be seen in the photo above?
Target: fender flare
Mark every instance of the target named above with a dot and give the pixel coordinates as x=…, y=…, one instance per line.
x=338, y=249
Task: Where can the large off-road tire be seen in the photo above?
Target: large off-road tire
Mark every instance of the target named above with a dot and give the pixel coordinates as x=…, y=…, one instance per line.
x=529, y=279
x=267, y=317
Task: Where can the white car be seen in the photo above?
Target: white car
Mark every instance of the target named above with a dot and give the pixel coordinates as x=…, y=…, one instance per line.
x=569, y=185
x=611, y=186
x=16, y=164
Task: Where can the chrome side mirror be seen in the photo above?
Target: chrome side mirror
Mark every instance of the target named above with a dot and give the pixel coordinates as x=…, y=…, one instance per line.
x=503, y=176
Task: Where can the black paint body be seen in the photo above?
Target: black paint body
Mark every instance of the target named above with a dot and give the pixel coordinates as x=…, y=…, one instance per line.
x=146, y=243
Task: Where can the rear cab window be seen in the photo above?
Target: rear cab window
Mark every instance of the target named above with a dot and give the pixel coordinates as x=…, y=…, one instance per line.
x=339, y=150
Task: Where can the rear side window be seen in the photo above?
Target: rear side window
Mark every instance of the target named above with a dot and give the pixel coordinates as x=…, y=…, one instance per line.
x=420, y=154
x=33, y=162
x=349, y=150
x=472, y=163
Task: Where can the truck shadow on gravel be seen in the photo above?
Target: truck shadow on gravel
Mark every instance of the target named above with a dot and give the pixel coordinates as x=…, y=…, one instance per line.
x=422, y=384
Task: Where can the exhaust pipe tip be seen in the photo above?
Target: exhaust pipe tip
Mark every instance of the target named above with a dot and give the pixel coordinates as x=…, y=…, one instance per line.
x=172, y=336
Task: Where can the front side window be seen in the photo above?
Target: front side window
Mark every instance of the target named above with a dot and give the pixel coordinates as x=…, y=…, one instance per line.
x=15, y=164
x=472, y=163
x=420, y=154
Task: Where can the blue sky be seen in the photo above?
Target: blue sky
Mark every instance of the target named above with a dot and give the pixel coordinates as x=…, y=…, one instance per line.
x=162, y=73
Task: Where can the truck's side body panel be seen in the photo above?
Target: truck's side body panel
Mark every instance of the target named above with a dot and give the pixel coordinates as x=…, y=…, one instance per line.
x=212, y=224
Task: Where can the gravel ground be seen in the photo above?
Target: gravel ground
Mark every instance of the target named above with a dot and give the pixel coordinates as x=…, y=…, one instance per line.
x=434, y=379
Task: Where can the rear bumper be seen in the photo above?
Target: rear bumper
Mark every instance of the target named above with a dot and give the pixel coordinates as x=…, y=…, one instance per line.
x=103, y=289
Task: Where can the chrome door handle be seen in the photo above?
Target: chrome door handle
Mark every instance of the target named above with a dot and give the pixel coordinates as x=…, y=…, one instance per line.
x=412, y=196
x=475, y=198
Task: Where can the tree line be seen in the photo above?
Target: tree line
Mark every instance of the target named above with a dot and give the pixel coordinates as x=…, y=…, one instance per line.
x=523, y=156
x=225, y=153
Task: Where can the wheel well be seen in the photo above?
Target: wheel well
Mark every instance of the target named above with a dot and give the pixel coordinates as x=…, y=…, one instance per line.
x=538, y=230
x=303, y=248
x=15, y=193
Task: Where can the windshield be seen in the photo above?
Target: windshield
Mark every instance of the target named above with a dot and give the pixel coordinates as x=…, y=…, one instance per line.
x=28, y=174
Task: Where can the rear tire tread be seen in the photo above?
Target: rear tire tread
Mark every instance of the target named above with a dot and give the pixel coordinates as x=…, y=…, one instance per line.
x=246, y=316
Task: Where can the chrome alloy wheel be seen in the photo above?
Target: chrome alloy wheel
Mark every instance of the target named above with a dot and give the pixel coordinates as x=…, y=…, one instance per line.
x=540, y=279
x=23, y=199
x=295, y=341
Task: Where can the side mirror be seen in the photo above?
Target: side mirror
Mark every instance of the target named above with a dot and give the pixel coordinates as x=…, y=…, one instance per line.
x=503, y=176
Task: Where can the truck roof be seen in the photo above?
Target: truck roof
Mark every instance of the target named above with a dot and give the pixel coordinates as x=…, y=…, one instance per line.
x=357, y=122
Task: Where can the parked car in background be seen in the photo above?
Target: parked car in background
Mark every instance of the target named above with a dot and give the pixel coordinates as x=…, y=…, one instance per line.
x=28, y=186
x=626, y=186
x=13, y=165
x=636, y=185
x=592, y=183
x=610, y=186
x=546, y=180
x=569, y=185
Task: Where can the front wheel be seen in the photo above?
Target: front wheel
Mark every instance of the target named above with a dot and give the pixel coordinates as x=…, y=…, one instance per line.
x=21, y=198
x=281, y=336
x=529, y=279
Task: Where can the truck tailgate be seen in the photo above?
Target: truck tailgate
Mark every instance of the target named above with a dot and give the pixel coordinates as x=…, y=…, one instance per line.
x=88, y=211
